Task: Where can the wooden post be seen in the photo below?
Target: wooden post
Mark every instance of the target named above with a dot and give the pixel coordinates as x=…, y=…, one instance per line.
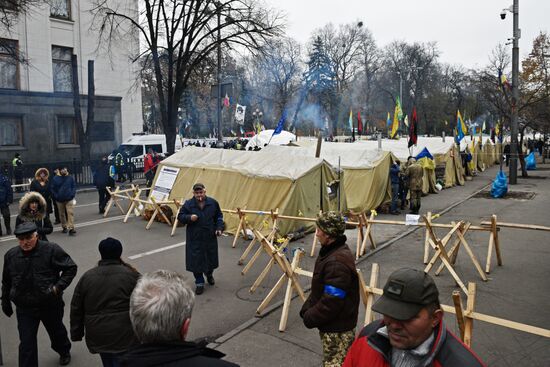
x=493, y=242
x=133, y=202
x=373, y=283
x=178, y=204
x=288, y=294
x=240, y=227
x=469, y=321
x=459, y=315
x=360, y=235
x=427, y=237
x=368, y=232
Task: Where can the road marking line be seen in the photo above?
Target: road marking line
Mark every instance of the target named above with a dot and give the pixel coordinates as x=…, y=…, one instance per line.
x=143, y=254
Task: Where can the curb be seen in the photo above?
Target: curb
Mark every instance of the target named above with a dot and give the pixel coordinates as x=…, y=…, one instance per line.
x=251, y=322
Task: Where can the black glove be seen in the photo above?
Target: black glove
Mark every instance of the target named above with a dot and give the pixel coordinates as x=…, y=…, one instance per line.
x=6, y=308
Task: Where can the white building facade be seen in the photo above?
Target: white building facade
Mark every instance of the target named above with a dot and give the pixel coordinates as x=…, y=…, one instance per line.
x=36, y=103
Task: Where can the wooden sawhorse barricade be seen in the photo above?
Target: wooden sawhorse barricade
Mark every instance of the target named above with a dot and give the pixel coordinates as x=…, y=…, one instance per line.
x=465, y=316
x=290, y=273
x=448, y=259
x=117, y=195
x=137, y=204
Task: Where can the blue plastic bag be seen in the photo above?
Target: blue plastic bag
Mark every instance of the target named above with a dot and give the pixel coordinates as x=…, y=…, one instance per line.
x=531, y=162
x=500, y=185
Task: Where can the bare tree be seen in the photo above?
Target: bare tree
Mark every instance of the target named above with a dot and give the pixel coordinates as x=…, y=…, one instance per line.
x=274, y=75
x=185, y=32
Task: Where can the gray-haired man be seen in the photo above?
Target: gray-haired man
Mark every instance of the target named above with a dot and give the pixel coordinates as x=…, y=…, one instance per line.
x=160, y=311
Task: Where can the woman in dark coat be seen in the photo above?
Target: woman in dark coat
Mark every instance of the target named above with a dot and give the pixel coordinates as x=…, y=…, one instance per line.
x=41, y=185
x=32, y=208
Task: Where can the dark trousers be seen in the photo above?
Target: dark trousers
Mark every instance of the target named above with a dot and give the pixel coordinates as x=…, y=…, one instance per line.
x=103, y=198
x=110, y=359
x=27, y=324
x=394, y=197
x=56, y=212
x=5, y=210
x=199, y=277
x=18, y=175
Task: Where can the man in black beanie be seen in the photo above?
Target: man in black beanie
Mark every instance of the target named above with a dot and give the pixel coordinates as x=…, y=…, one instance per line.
x=101, y=302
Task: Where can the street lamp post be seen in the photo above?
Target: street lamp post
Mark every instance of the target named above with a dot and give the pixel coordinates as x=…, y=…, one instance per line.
x=514, y=9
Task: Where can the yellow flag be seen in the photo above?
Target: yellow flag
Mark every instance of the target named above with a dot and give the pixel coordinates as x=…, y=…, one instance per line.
x=395, y=125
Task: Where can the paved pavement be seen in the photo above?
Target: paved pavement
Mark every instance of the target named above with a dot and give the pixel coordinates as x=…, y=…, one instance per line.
x=225, y=313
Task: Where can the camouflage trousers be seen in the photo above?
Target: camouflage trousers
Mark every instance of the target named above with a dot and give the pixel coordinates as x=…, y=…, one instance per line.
x=335, y=347
x=416, y=196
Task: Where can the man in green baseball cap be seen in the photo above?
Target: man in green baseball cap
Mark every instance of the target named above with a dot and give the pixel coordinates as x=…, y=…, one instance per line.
x=412, y=331
x=333, y=303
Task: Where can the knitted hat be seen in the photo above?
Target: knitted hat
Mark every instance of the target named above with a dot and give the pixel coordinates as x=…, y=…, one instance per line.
x=110, y=249
x=332, y=223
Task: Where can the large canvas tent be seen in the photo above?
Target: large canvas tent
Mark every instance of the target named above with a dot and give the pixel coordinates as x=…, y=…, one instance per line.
x=364, y=173
x=444, y=153
x=297, y=186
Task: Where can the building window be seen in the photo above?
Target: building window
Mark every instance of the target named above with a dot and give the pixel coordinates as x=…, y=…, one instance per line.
x=103, y=131
x=62, y=69
x=60, y=9
x=66, y=130
x=11, y=131
x=8, y=64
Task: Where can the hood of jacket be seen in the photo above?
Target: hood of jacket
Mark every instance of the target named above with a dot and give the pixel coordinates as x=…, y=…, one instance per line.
x=39, y=171
x=24, y=206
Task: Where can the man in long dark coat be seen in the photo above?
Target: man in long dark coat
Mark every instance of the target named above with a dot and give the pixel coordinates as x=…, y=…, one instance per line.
x=204, y=220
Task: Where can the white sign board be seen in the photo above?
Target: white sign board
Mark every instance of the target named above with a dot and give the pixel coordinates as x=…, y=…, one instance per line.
x=240, y=111
x=411, y=219
x=165, y=181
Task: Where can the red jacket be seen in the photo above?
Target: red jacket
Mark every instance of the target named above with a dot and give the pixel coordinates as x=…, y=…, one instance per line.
x=148, y=162
x=373, y=350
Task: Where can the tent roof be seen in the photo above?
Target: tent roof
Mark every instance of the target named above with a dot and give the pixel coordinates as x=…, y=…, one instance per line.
x=263, y=138
x=259, y=164
x=399, y=148
x=350, y=155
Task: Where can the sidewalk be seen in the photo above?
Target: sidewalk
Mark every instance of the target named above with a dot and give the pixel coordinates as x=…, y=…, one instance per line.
x=517, y=291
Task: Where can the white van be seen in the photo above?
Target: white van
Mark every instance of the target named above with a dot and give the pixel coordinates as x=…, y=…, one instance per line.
x=137, y=145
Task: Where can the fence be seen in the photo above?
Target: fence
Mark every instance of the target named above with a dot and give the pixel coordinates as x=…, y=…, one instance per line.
x=83, y=173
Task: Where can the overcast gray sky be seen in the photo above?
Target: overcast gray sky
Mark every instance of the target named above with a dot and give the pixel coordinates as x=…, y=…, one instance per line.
x=465, y=30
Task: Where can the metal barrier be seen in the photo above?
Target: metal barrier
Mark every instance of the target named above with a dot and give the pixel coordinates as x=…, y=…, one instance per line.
x=83, y=173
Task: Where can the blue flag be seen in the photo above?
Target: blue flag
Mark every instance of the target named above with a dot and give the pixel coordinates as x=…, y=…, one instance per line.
x=280, y=125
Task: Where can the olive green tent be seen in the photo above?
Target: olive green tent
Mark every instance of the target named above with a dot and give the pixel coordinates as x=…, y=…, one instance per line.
x=261, y=181
x=364, y=173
